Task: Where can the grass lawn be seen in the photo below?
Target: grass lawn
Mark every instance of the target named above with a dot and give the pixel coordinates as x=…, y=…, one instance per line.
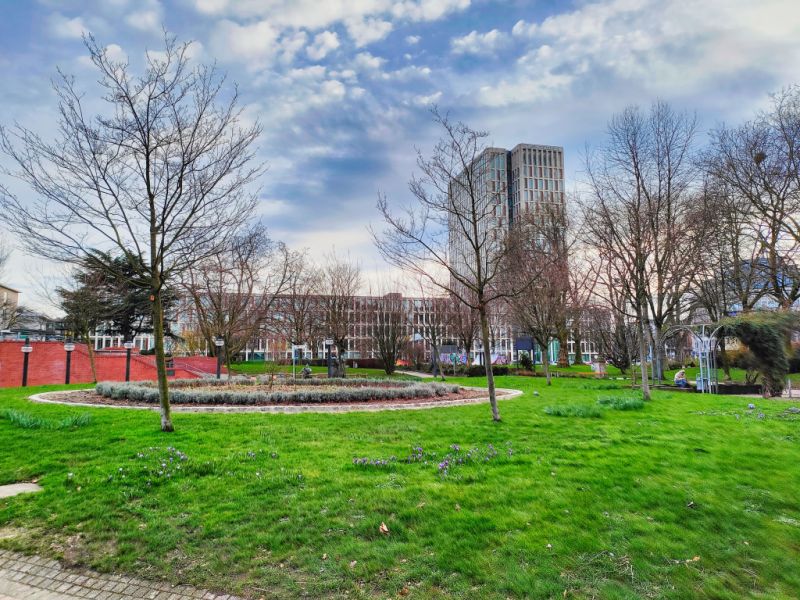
x=689, y=497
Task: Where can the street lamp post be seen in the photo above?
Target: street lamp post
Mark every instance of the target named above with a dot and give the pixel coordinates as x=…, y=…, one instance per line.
x=69, y=346
x=26, y=350
x=219, y=342
x=128, y=345
x=329, y=347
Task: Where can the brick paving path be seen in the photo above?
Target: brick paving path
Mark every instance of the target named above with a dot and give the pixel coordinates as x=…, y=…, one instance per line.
x=36, y=578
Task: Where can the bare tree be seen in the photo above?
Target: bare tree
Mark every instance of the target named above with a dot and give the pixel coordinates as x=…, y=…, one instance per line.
x=298, y=317
x=432, y=320
x=85, y=308
x=454, y=236
x=234, y=291
x=388, y=328
x=642, y=218
x=341, y=280
x=464, y=323
x=540, y=250
x=759, y=164
x=733, y=274
x=162, y=176
x=10, y=312
x=612, y=326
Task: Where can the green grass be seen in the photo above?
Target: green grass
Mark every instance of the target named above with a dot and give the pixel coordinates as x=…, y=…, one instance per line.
x=573, y=410
x=621, y=402
x=273, y=505
x=29, y=421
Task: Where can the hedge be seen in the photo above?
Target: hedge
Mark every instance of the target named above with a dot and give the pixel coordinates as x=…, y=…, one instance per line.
x=184, y=394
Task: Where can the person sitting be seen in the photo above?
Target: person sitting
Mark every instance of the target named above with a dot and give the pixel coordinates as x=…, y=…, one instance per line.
x=680, y=379
x=306, y=372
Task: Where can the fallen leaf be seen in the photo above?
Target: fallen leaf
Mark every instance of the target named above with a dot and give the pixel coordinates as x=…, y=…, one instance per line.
x=383, y=528
x=458, y=507
x=404, y=591
x=324, y=557
x=420, y=505
x=353, y=564
x=549, y=546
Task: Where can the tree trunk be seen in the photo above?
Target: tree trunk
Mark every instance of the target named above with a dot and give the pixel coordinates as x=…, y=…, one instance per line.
x=643, y=359
x=487, y=359
x=341, y=360
x=576, y=338
x=161, y=365
x=90, y=351
x=546, y=362
x=436, y=367
x=723, y=358
x=659, y=355
x=563, y=349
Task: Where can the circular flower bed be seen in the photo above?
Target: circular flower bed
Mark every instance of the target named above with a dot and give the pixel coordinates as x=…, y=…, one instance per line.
x=263, y=391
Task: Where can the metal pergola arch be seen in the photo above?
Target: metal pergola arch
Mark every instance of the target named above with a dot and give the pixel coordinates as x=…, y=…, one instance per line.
x=706, y=340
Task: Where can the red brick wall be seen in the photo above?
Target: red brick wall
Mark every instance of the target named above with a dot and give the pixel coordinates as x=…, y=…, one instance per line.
x=47, y=365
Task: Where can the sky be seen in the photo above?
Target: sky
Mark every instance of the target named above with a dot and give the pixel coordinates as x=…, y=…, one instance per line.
x=343, y=88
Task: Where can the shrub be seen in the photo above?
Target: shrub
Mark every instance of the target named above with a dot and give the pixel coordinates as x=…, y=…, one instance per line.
x=525, y=361
x=574, y=410
x=480, y=371
x=314, y=392
x=767, y=335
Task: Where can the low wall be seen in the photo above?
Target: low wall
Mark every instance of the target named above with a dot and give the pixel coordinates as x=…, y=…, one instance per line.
x=47, y=365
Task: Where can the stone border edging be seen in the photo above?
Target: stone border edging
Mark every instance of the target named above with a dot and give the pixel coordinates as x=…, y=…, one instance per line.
x=502, y=394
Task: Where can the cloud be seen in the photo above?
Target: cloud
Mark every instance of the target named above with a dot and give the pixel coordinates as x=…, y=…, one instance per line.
x=254, y=42
x=367, y=31
x=412, y=40
x=478, y=43
x=313, y=14
x=66, y=28
x=422, y=100
x=323, y=44
x=665, y=47
x=427, y=10
x=364, y=61
x=149, y=20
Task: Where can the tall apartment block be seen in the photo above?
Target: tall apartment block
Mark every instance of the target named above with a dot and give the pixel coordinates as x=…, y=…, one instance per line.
x=535, y=178
x=507, y=184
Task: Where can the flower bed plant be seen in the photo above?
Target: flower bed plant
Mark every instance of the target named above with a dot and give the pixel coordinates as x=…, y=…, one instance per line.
x=309, y=391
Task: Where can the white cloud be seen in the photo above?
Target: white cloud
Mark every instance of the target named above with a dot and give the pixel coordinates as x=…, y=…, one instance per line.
x=410, y=72
x=313, y=14
x=145, y=20
x=523, y=29
x=291, y=44
x=366, y=31
x=423, y=100
x=251, y=43
x=364, y=61
x=323, y=44
x=64, y=27
x=478, y=43
x=663, y=47
x=411, y=40
x=427, y=10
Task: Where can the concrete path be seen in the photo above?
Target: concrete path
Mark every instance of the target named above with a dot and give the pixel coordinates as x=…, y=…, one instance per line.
x=13, y=489
x=35, y=578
